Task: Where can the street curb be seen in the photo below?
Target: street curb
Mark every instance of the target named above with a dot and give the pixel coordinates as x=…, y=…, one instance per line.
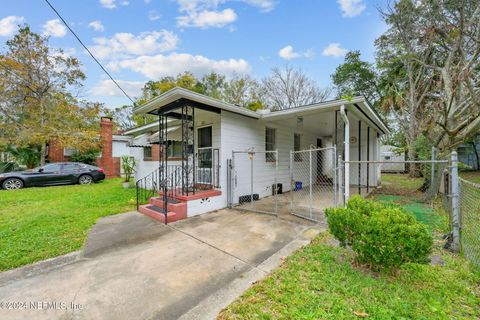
x=37, y=268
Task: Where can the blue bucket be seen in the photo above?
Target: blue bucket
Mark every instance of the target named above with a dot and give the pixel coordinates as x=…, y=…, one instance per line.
x=298, y=185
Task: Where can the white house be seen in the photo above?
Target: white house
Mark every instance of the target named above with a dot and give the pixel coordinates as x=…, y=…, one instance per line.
x=388, y=153
x=200, y=135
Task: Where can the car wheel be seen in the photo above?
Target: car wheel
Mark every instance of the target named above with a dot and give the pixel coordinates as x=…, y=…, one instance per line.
x=12, y=184
x=85, y=179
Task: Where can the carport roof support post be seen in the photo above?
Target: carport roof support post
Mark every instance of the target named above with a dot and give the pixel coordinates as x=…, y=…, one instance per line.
x=347, y=152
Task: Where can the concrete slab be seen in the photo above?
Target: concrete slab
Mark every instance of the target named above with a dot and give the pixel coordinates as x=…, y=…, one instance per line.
x=177, y=270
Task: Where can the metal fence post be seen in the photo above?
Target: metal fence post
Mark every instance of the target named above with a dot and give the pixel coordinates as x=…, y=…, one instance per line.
x=335, y=178
x=292, y=182
x=276, y=182
x=432, y=177
x=340, y=181
x=455, y=202
x=311, y=182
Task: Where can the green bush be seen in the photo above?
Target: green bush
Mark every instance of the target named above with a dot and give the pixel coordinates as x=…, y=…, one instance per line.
x=87, y=157
x=346, y=223
x=390, y=238
x=380, y=235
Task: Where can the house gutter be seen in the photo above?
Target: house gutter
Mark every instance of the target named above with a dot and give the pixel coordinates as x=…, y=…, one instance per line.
x=347, y=152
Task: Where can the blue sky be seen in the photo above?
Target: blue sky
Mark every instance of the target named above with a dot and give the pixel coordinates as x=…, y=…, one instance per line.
x=139, y=40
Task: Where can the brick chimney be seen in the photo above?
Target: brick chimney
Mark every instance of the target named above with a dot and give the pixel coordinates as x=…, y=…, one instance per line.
x=107, y=162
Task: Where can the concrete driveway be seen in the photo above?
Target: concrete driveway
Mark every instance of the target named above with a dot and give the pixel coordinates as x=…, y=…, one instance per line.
x=135, y=268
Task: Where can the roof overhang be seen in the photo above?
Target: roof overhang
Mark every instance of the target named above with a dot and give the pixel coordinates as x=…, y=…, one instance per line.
x=175, y=97
x=358, y=105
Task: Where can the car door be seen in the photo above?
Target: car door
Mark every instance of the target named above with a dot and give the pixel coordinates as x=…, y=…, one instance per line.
x=48, y=175
x=70, y=172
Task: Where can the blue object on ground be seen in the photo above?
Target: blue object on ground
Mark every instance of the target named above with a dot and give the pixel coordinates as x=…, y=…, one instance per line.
x=298, y=185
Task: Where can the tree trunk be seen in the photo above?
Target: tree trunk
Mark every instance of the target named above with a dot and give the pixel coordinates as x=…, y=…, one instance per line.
x=414, y=170
x=476, y=154
x=43, y=151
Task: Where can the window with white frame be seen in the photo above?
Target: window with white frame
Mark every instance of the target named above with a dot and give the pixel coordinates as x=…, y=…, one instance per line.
x=270, y=143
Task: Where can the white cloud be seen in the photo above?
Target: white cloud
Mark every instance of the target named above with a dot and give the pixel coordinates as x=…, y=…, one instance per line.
x=288, y=53
x=111, y=4
x=264, y=5
x=205, y=13
x=206, y=18
x=9, y=25
x=334, y=50
x=96, y=25
x=154, y=67
x=124, y=45
x=351, y=8
x=153, y=15
x=106, y=88
x=54, y=28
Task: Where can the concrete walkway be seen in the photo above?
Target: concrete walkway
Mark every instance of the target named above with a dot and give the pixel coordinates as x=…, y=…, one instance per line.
x=135, y=268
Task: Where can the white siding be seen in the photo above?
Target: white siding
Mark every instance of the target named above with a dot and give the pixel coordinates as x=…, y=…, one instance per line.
x=242, y=134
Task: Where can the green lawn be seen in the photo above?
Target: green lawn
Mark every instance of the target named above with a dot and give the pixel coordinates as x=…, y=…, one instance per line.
x=40, y=223
x=473, y=176
x=320, y=282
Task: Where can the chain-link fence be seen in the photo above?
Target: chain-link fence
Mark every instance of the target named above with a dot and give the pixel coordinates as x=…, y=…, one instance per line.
x=313, y=182
x=469, y=200
x=417, y=194
x=253, y=177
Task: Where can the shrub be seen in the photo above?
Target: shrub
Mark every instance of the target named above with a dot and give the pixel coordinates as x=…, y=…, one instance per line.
x=391, y=237
x=87, y=157
x=380, y=235
x=346, y=223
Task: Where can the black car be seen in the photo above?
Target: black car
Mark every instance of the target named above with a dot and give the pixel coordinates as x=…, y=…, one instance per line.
x=52, y=174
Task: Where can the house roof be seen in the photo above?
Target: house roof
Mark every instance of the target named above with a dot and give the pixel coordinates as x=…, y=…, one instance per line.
x=357, y=104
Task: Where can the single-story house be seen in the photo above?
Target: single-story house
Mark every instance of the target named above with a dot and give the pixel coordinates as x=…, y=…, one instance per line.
x=468, y=153
x=113, y=147
x=389, y=153
x=186, y=156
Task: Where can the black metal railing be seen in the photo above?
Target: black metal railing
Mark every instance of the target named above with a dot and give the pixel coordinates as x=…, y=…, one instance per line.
x=170, y=182
x=147, y=187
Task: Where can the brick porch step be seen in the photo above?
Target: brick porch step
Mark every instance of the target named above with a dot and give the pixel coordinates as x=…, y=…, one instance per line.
x=173, y=205
x=158, y=213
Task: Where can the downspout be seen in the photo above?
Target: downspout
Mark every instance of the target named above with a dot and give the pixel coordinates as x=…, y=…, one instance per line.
x=347, y=153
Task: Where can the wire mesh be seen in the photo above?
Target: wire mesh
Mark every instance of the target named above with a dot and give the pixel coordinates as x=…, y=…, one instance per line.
x=254, y=181
x=469, y=199
x=376, y=180
x=313, y=182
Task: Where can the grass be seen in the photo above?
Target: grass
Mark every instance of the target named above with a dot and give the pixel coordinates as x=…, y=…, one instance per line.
x=403, y=190
x=473, y=176
x=41, y=223
x=320, y=282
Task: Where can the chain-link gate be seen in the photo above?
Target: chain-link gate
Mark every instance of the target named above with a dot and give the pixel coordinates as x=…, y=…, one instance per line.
x=253, y=181
x=314, y=186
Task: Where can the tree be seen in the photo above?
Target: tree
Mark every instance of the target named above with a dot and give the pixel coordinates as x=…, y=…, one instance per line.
x=123, y=117
x=406, y=82
x=291, y=87
x=242, y=91
x=441, y=41
x=36, y=107
x=214, y=85
x=357, y=77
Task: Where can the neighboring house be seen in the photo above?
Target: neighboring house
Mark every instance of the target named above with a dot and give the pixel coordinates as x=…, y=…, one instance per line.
x=387, y=153
x=199, y=134
x=469, y=153
x=114, y=146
